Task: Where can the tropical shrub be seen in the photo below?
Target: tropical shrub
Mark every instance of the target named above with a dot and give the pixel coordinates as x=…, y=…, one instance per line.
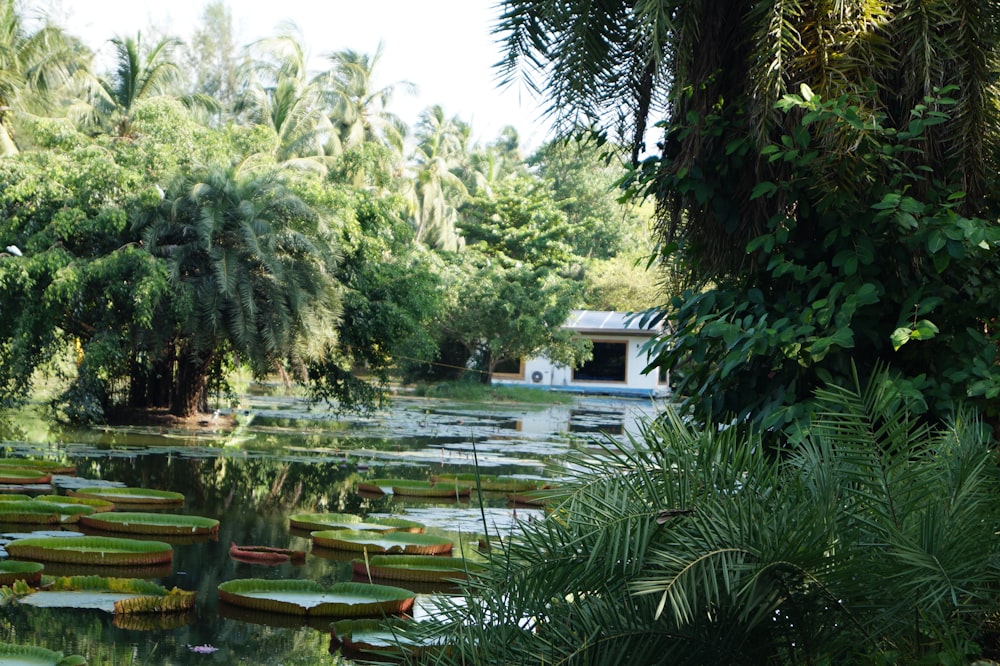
x=872, y=542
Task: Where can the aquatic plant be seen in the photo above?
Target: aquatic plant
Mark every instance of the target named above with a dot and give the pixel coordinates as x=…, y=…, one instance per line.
x=306, y=597
x=152, y=523
x=100, y=551
x=393, y=542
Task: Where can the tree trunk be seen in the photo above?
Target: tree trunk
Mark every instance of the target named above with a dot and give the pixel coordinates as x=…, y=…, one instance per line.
x=189, y=386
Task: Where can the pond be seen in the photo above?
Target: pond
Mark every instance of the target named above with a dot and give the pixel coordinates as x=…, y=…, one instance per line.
x=286, y=458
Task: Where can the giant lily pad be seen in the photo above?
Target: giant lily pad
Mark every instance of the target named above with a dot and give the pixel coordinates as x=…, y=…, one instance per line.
x=541, y=497
x=376, y=637
x=129, y=495
x=348, y=521
x=98, y=505
x=23, y=475
x=487, y=482
x=110, y=551
x=306, y=597
x=116, y=595
x=428, y=489
x=416, y=568
x=13, y=570
x=152, y=523
x=40, y=513
x=50, y=466
x=30, y=655
x=374, y=542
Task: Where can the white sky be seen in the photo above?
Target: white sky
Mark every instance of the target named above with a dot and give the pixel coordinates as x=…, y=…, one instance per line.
x=445, y=47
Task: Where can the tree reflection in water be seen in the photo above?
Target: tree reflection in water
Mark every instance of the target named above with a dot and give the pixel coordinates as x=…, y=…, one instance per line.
x=270, y=470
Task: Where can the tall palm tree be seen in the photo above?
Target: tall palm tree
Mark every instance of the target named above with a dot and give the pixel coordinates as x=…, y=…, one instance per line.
x=34, y=66
x=251, y=265
x=442, y=149
x=359, y=111
x=282, y=98
x=139, y=74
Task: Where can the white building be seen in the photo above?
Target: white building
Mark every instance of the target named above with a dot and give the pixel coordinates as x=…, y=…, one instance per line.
x=616, y=368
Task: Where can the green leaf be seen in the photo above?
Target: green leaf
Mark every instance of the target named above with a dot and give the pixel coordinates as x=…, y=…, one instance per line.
x=900, y=337
x=763, y=189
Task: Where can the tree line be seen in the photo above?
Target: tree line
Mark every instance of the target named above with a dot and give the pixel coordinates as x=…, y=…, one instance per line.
x=204, y=206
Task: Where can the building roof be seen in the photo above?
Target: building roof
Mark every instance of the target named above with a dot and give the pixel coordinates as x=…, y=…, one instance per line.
x=605, y=321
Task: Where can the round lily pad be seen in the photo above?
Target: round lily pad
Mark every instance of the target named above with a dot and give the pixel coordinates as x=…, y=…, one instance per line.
x=98, y=505
x=487, y=482
x=374, y=542
x=40, y=513
x=110, y=551
x=429, y=489
x=23, y=475
x=14, y=570
x=117, y=595
x=348, y=521
x=541, y=497
x=50, y=466
x=415, y=568
x=306, y=597
x=377, y=637
x=151, y=523
x=129, y=495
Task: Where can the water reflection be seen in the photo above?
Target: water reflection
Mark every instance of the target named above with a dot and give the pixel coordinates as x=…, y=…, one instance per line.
x=287, y=459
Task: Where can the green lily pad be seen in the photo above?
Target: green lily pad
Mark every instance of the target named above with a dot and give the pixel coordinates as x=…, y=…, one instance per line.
x=98, y=505
x=488, y=482
x=129, y=495
x=377, y=637
x=151, y=523
x=374, y=542
x=306, y=597
x=348, y=521
x=541, y=497
x=23, y=475
x=415, y=568
x=114, y=595
x=30, y=655
x=50, y=466
x=428, y=489
x=110, y=551
x=40, y=513
x=14, y=570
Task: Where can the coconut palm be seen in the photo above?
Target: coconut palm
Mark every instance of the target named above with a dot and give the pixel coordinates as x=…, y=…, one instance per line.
x=251, y=266
x=282, y=98
x=438, y=191
x=359, y=111
x=34, y=66
x=139, y=73
x=873, y=543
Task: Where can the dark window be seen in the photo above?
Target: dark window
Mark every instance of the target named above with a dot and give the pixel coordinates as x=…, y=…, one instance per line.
x=608, y=364
x=508, y=366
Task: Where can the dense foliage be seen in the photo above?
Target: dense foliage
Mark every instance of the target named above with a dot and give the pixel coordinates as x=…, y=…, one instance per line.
x=169, y=224
x=852, y=221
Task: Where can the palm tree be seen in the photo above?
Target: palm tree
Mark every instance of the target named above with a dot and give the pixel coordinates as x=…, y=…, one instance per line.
x=873, y=543
x=359, y=112
x=34, y=66
x=251, y=266
x=438, y=191
x=139, y=74
x=282, y=98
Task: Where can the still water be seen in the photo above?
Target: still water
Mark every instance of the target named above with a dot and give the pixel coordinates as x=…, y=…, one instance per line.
x=286, y=458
